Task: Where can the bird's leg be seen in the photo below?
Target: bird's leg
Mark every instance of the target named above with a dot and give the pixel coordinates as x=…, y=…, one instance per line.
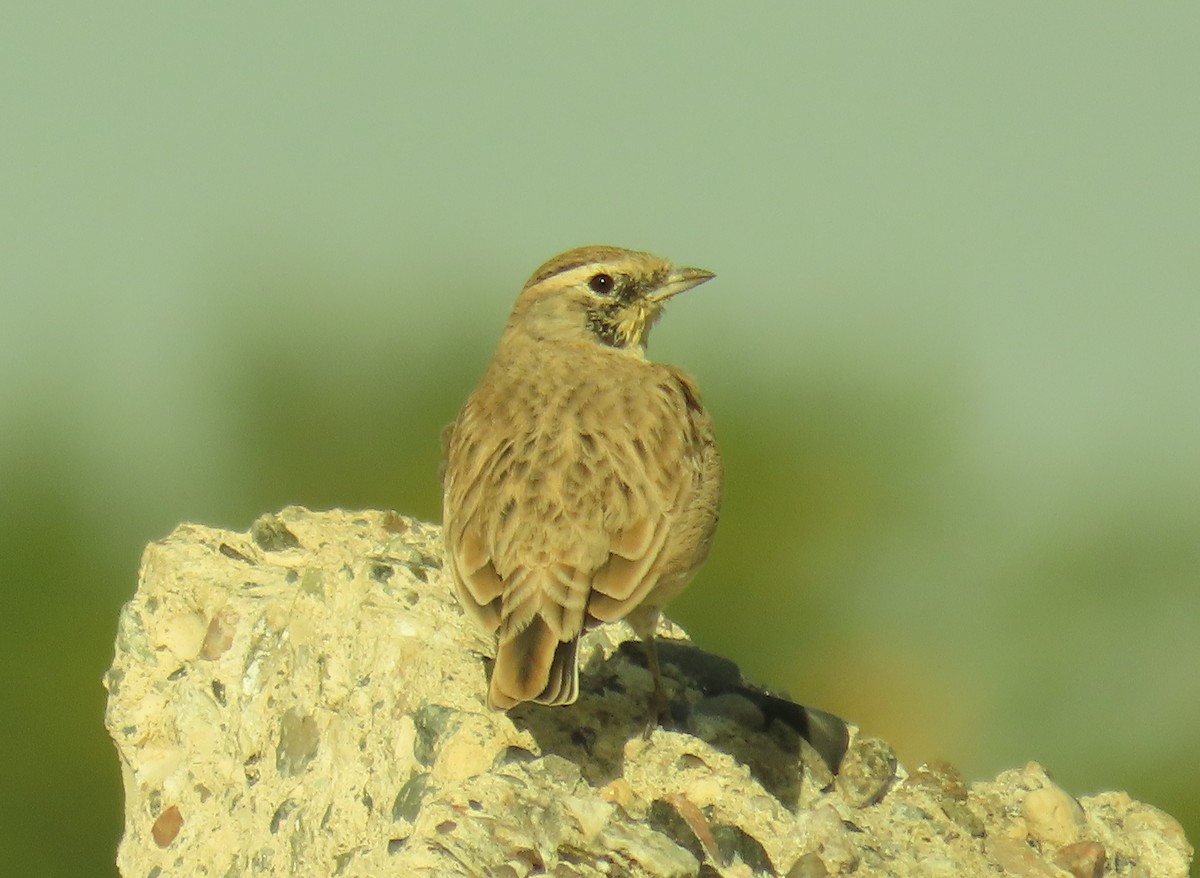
x=662, y=707
x=645, y=622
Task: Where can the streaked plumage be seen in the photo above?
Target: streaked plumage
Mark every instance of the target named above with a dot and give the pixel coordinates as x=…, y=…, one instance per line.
x=582, y=481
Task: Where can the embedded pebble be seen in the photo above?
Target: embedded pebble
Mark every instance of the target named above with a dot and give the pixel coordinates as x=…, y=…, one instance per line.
x=272, y=534
x=1018, y=858
x=666, y=818
x=655, y=853
x=1084, y=859
x=166, y=826
x=866, y=772
x=407, y=804
x=830, y=839
x=808, y=866
x=218, y=636
x=1052, y=817
x=735, y=845
x=183, y=635
x=299, y=741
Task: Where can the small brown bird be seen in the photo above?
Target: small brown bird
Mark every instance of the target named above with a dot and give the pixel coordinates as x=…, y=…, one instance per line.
x=581, y=481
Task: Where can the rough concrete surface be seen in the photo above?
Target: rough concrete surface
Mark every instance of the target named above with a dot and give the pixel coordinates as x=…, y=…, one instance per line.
x=308, y=699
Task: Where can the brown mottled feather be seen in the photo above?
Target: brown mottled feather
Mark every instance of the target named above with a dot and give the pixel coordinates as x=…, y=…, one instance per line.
x=582, y=484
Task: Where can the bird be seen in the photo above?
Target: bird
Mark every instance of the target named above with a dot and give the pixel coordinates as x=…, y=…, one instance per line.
x=581, y=481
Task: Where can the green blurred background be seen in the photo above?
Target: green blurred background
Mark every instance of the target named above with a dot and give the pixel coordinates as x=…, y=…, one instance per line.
x=255, y=255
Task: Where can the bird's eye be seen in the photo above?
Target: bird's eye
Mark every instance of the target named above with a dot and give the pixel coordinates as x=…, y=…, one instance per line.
x=601, y=283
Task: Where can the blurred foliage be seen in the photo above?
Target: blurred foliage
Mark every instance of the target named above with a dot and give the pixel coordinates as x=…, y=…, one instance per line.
x=62, y=578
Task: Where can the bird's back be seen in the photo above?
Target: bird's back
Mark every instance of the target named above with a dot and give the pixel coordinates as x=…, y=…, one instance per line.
x=580, y=485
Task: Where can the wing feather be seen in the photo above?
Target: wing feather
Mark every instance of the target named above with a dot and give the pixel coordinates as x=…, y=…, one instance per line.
x=561, y=527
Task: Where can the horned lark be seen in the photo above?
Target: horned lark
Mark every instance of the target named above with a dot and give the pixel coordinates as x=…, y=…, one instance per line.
x=581, y=481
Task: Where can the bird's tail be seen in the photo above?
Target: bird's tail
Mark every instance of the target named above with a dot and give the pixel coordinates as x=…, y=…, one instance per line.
x=534, y=665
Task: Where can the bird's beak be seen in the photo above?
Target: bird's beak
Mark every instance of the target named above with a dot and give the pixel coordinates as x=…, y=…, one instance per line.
x=679, y=280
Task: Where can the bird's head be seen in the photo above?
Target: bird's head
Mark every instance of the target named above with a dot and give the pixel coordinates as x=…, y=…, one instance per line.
x=605, y=295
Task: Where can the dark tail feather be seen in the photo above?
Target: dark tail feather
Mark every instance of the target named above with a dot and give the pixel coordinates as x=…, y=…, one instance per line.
x=535, y=666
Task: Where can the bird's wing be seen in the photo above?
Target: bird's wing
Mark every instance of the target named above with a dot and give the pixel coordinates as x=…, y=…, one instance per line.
x=567, y=525
x=668, y=460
